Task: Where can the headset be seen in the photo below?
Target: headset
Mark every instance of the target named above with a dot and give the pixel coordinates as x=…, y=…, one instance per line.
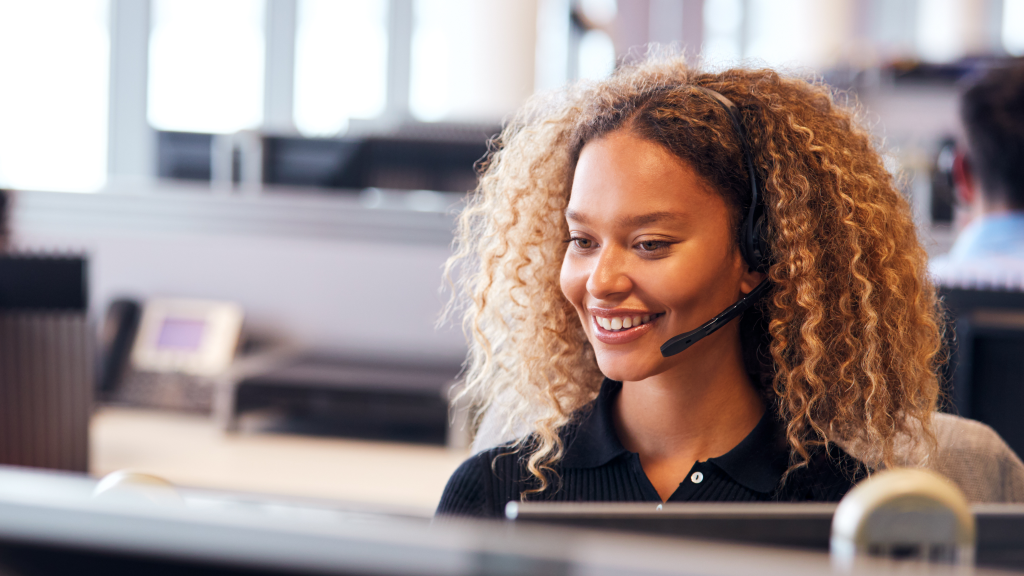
x=753, y=243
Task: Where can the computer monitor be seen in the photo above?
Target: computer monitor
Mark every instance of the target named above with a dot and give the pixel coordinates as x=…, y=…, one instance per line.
x=51, y=524
x=426, y=159
x=801, y=525
x=807, y=526
x=183, y=155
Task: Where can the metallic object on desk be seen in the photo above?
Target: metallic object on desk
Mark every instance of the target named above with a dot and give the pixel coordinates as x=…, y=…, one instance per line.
x=133, y=488
x=903, y=514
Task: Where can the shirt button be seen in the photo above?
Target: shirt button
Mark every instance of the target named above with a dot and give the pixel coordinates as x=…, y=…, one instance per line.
x=697, y=477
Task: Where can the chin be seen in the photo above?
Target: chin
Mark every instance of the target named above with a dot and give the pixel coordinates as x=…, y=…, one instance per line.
x=630, y=367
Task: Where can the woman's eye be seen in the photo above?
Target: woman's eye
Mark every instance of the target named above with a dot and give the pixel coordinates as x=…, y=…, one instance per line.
x=583, y=243
x=652, y=245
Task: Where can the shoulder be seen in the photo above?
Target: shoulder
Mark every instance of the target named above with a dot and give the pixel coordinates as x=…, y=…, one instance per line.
x=830, y=472
x=483, y=484
x=976, y=459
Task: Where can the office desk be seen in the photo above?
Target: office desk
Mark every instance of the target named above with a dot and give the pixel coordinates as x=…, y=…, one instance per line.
x=190, y=450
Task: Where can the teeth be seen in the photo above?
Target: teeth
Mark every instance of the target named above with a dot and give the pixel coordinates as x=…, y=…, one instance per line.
x=622, y=322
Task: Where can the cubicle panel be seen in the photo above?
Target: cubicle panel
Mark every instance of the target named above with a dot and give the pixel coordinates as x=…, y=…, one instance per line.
x=46, y=362
x=46, y=388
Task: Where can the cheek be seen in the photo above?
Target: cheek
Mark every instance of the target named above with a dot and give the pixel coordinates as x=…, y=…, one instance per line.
x=573, y=281
x=692, y=281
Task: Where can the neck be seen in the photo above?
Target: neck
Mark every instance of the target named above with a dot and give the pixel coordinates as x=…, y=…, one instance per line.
x=701, y=408
x=990, y=205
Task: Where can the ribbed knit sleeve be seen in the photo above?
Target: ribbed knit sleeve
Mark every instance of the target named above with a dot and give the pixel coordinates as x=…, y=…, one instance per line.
x=466, y=493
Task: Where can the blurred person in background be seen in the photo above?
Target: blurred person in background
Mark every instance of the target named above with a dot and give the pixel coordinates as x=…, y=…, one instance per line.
x=990, y=185
x=617, y=215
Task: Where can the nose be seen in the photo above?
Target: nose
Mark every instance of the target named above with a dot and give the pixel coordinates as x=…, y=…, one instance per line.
x=609, y=277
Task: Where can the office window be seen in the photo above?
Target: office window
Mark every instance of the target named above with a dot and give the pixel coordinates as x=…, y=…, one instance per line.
x=1013, y=26
x=770, y=25
x=723, y=22
x=340, y=63
x=206, y=65
x=597, y=54
x=825, y=38
x=471, y=60
x=939, y=34
x=54, y=73
x=432, y=46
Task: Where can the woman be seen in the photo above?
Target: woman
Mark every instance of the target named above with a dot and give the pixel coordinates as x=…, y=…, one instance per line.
x=615, y=216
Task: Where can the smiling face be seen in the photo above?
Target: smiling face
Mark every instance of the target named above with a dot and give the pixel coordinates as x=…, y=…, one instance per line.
x=652, y=254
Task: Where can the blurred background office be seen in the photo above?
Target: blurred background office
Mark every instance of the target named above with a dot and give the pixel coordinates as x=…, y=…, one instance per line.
x=259, y=196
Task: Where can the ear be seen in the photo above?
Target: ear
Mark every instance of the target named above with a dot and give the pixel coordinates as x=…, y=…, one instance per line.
x=963, y=178
x=750, y=280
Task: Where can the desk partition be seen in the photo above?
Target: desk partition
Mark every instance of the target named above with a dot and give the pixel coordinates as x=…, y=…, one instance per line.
x=46, y=359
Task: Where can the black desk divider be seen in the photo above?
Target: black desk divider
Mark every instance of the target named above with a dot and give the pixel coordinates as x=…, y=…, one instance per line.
x=46, y=362
x=42, y=283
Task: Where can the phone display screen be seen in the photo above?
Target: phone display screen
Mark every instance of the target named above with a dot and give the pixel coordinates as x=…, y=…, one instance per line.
x=180, y=334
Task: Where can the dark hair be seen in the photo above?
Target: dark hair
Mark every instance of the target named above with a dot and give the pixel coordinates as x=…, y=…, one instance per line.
x=992, y=111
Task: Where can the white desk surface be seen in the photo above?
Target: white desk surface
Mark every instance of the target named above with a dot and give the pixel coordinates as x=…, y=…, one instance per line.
x=190, y=450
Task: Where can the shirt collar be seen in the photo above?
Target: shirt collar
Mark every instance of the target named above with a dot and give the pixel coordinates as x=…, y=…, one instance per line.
x=757, y=462
x=591, y=441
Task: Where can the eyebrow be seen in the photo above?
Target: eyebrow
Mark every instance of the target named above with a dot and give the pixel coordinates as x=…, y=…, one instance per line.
x=630, y=221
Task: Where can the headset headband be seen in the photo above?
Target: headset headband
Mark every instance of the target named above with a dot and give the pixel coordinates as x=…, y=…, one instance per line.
x=752, y=244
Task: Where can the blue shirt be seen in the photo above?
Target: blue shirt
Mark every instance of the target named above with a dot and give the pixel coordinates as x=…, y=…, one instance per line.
x=989, y=253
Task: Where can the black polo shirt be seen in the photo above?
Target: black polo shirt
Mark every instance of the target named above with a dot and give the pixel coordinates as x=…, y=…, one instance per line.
x=597, y=468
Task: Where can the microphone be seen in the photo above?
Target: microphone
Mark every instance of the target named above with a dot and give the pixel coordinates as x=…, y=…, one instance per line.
x=683, y=341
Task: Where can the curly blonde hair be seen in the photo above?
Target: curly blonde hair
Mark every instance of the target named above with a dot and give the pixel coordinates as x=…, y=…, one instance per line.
x=848, y=339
